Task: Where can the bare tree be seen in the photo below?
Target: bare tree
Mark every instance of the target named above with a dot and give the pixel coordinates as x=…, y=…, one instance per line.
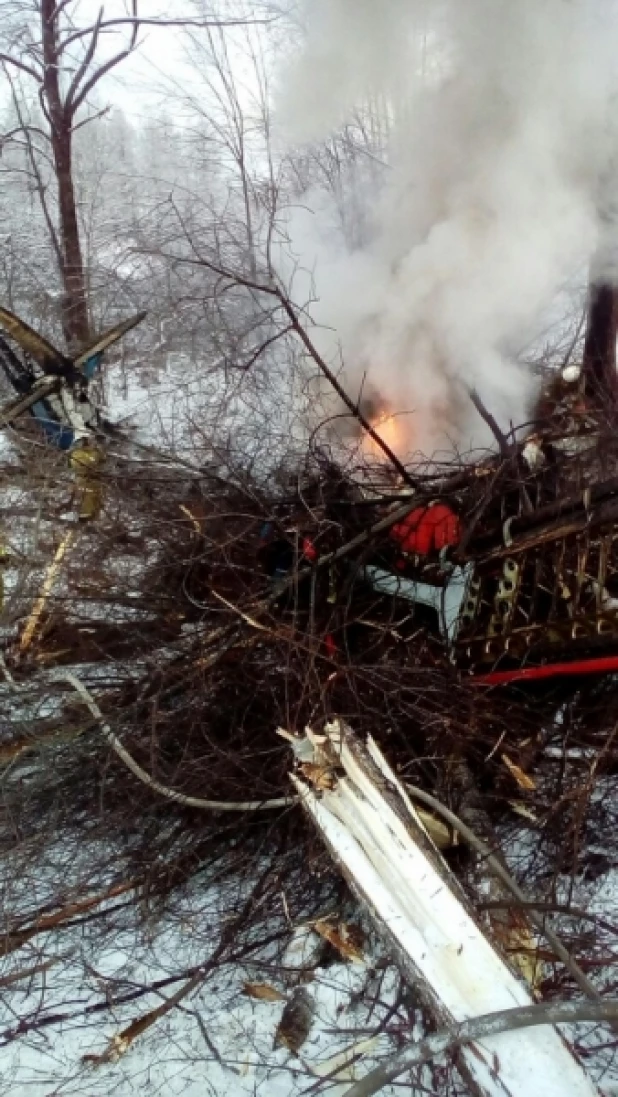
x=48, y=49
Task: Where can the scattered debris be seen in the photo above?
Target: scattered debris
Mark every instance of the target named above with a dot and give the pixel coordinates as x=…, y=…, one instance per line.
x=296, y=1020
x=347, y=938
x=263, y=992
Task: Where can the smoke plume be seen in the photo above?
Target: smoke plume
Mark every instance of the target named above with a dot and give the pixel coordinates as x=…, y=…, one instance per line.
x=500, y=152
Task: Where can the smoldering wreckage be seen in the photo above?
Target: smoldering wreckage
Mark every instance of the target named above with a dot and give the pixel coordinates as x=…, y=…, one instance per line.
x=432, y=655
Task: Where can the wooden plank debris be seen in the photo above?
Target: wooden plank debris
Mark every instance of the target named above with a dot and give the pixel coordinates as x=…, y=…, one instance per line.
x=378, y=840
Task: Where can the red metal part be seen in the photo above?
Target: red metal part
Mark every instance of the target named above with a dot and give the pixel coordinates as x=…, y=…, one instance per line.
x=606, y=664
x=427, y=529
x=310, y=552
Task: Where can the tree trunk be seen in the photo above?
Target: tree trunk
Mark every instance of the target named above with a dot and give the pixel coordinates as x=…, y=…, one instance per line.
x=75, y=320
x=599, y=366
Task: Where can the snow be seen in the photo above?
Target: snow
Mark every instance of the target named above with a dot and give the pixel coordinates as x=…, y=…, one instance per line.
x=175, y=1057
x=228, y=1051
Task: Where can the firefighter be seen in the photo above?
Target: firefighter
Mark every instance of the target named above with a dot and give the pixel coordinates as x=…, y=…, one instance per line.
x=86, y=459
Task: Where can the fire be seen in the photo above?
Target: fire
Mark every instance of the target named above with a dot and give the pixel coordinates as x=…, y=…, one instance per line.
x=392, y=430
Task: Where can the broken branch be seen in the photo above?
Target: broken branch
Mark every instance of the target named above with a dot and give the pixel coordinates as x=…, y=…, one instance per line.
x=156, y=786
x=507, y=1020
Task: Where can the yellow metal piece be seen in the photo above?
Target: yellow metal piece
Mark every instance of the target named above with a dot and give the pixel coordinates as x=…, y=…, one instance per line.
x=86, y=459
x=505, y=598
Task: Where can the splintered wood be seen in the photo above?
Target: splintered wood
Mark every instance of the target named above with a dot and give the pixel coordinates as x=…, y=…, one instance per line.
x=378, y=840
x=46, y=589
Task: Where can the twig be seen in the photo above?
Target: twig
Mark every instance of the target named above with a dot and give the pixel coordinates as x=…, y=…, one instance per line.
x=17, y=936
x=214, y=1051
x=156, y=786
x=8, y=676
x=488, y=418
x=484, y=503
x=578, y=330
x=553, y=908
x=236, y=609
x=273, y=290
x=353, y=407
x=121, y=1042
x=139, y=21
x=27, y=972
x=477, y=1028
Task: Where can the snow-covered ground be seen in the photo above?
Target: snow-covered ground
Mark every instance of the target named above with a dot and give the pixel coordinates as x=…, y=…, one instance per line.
x=218, y=1041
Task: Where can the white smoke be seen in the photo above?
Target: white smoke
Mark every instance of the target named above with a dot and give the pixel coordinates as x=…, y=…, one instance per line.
x=501, y=139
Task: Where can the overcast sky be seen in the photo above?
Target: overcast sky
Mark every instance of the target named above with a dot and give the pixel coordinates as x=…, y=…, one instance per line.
x=136, y=84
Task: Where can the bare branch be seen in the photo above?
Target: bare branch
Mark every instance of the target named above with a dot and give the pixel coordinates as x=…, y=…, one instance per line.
x=25, y=129
x=264, y=346
x=8, y=60
x=156, y=786
x=91, y=118
x=496, y=866
x=352, y=405
x=27, y=972
x=74, y=100
x=123, y=1040
x=139, y=21
x=275, y=291
x=85, y=64
x=488, y=418
x=507, y=1020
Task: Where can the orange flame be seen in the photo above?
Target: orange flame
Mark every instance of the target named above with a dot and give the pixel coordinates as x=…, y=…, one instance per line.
x=392, y=431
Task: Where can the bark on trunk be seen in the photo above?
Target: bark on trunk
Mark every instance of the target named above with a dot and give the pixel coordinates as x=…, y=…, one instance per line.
x=75, y=320
x=599, y=366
